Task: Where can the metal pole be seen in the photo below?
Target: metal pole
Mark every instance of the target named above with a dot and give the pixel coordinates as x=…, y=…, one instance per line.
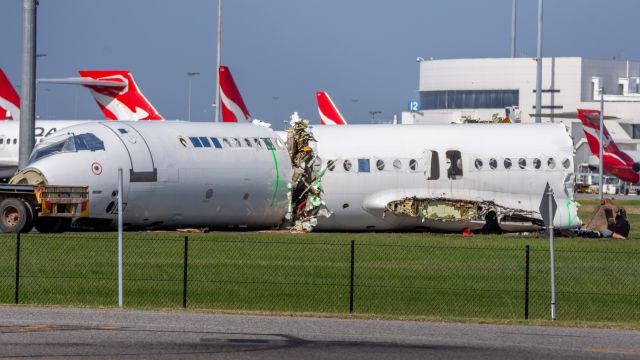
x=351, y=282
x=189, y=101
x=513, y=29
x=17, y=268
x=185, y=272
x=218, y=60
x=120, y=210
x=600, y=138
x=28, y=82
x=551, y=259
x=526, y=283
x=539, y=66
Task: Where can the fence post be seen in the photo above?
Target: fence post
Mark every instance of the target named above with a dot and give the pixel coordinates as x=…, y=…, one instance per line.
x=185, y=271
x=17, y=268
x=353, y=263
x=526, y=283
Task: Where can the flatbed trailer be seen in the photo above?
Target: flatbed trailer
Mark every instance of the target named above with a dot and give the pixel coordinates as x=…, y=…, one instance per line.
x=48, y=208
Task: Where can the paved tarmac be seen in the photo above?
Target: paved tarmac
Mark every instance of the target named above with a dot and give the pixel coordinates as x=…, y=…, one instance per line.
x=123, y=334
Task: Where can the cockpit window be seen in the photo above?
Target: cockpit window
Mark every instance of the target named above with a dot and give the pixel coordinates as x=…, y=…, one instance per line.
x=66, y=143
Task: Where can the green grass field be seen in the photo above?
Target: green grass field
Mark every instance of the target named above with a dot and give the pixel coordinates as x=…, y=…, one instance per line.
x=396, y=275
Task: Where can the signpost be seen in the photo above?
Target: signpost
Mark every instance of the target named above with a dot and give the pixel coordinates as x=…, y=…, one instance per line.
x=548, y=207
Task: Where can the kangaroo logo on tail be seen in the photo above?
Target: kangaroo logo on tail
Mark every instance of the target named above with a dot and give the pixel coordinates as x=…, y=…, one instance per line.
x=9, y=99
x=120, y=103
x=329, y=113
x=591, y=126
x=233, y=108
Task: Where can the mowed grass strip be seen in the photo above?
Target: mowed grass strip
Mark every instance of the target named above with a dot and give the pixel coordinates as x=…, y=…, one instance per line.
x=415, y=274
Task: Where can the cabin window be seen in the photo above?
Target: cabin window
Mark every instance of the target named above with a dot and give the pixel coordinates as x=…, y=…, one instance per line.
x=507, y=163
x=205, y=142
x=537, y=163
x=258, y=143
x=331, y=165
x=226, y=142
x=268, y=143
x=347, y=165
x=454, y=159
x=236, y=142
x=551, y=163
x=493, y=164
x=522, y=163
x=195, y=142
x=88, y=141
x=364, y=165
x=413, y=164
x=478, y=164
x=1, y=141
x=380, y=165
x=248, y=142
x=434, y=174
x=216, y=143
x=397, y=164
x=566, y=163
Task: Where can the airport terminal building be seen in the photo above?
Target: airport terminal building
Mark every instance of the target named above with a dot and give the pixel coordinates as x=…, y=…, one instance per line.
x=459, y=90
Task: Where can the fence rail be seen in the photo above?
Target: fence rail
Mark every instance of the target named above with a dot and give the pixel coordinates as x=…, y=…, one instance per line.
x=168, y=270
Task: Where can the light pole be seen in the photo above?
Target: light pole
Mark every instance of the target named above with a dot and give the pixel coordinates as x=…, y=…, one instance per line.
x=190, y=75
x=218, y=47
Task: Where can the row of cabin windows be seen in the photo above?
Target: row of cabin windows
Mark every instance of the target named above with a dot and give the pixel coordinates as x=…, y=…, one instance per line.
x=15, y=141
x=453, y=161
x=522, y=163
x=219, y=143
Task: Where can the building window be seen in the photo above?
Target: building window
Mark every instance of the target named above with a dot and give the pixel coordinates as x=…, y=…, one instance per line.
x=468, y=99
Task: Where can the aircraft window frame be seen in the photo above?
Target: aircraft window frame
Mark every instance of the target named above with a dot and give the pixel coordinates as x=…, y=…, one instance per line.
x=493, y=163
x=226, y=142
x=259, y=145
x=537, y=163
x=566, y=163
x=364, y=165
x=87, y=141
x=216, y=143
x=380, y=164
x=205, y=141
x=478, y=164
x=347, y=165
x=268, y=144
x=397, y=164
x=413, y=165
x=454, y=159
x=551, y=163
x=66, y=143
x=195, y=142
x=248, y=142
x=236, y=142
x=507, y=163
x=522, y=163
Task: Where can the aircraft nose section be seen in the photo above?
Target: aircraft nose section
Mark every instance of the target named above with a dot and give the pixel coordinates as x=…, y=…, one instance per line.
x=29, y=176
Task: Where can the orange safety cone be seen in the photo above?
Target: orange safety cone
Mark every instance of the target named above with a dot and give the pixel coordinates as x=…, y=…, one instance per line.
x=466, y=232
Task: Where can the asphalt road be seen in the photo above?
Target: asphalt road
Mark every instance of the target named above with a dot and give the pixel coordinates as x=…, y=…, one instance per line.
x=122, y=334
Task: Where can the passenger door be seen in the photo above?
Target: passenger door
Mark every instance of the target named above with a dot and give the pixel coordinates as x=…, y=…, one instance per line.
x=142, y=166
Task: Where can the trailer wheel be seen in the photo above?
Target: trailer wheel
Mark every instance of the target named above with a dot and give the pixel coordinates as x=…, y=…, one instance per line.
x=47, y=225
x=14, y=216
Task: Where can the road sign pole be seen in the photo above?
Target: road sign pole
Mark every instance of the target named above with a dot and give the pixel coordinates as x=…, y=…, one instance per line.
x=551, y=259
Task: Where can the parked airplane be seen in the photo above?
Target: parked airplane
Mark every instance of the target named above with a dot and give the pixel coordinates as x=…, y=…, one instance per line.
x=624, y=165
x=176, y=173
x=329, y=113
x=9, y=99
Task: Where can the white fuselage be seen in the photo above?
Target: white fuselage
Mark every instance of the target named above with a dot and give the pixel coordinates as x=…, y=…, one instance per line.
x=170, y=180
x=9, y=140
x=358, y=198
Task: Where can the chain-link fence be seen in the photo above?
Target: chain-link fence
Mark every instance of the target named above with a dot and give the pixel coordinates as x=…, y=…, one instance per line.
x=290, y=274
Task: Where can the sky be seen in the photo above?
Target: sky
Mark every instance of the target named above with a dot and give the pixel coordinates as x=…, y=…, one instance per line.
x=281, y=52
